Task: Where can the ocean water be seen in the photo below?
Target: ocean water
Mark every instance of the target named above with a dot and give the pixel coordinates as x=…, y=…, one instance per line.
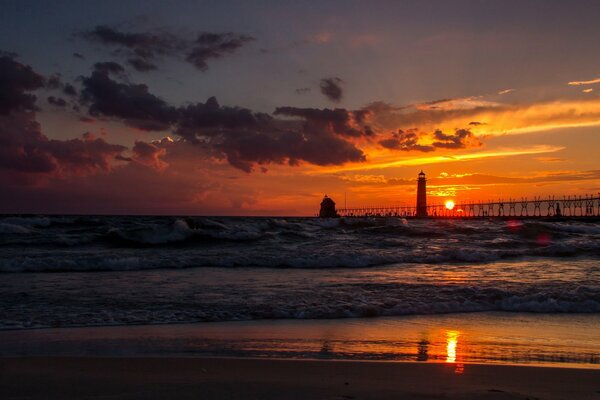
x=68, y=271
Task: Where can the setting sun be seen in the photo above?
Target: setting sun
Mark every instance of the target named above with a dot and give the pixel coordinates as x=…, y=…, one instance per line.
x=449, y=204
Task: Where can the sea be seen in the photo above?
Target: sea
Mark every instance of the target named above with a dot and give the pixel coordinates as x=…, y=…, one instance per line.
x=521, y=291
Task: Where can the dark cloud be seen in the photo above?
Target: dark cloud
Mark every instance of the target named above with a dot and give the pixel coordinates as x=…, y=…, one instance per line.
x=143, y=44
x=54, y=82
x=339, y=120
x=210, y=118
x=246, y=139
x=142, y=49
x=214, y=45
x=109, y=67
x=24, y=149
x=462, y=138
x=245, y=150
x=131, y=103
x=139, y=64
x=476, y=123
x=405, y=141
x=57, y=101
x=332, y=89
x=409, y=140
x=79, y=55
x=241, y=136
x=16, y=80
x=69, y=90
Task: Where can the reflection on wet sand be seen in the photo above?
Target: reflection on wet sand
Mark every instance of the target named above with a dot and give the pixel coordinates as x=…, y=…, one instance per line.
x=451, y=342
x=451, y=346
x=451, y=339
x=422, y=354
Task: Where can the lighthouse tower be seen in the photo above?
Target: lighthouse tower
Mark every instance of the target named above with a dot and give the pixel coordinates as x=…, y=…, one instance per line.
x=422, y=195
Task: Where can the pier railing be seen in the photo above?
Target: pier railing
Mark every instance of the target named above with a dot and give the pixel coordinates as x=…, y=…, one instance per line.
x=552, y=206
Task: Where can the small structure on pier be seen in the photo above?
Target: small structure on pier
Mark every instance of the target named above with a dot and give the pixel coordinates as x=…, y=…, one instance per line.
x=328, y=208
x=422, y=195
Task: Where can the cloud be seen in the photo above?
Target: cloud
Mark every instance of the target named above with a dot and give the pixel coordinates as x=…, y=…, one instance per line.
x=54, y=82
x=25, y=150
x=143, y=49
x=57, y=101
x=246, y=149
x=462, y=138
x=79, y=56
x=405, y=141
x=580, y=83
x=241, y=136
x=332, y=89
x=131, y=103
x=506, y=91
x=483, y=179
x=150, y=154
x=69, y=90
x=493, y=118
x=338, y=121
x=392, y=161
x=409, y=140
x=16, y=80
x=589, y=90
x=139, y=64
x=214, y=45
x=209, y=119
x=247, y=139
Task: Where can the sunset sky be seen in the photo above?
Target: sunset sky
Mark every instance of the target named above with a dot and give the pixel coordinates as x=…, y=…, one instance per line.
x=260, y=108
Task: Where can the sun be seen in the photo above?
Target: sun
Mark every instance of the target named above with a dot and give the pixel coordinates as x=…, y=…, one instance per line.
x=449, y=204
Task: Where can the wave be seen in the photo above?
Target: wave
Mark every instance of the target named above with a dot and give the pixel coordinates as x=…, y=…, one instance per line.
x=29, y=244
x=421, y=300
x=175, y=258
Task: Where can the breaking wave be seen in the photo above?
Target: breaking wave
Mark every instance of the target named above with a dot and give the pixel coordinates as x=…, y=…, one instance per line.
x=192, y=269
x=126, y=243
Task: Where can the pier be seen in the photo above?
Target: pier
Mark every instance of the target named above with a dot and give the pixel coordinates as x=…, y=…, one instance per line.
x=552, y=206
x=585, y=206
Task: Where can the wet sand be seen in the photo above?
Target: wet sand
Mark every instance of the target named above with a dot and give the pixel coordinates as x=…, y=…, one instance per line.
x=230, y=378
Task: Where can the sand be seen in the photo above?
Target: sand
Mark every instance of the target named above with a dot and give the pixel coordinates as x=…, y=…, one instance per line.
x=228, y=378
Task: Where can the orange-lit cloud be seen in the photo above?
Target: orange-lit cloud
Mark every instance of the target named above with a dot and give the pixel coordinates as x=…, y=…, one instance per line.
x=590, y=82
x=506, y=91
x=390, y=160
x=487, y=118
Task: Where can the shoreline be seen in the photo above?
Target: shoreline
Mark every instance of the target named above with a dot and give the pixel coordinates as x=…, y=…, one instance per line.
x=491, y=338
x=245, y=378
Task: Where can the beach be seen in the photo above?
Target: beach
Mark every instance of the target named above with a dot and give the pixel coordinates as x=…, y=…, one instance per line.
x=243, y=308
x=225, y=378
x=457, y=356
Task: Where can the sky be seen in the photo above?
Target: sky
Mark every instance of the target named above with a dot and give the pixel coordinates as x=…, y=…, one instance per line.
x=262, y=107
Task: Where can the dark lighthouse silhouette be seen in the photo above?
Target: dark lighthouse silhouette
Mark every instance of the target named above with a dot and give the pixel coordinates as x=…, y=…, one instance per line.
x=422, y=195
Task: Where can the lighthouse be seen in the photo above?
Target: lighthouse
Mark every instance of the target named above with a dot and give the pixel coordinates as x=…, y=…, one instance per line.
x=422, y=195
